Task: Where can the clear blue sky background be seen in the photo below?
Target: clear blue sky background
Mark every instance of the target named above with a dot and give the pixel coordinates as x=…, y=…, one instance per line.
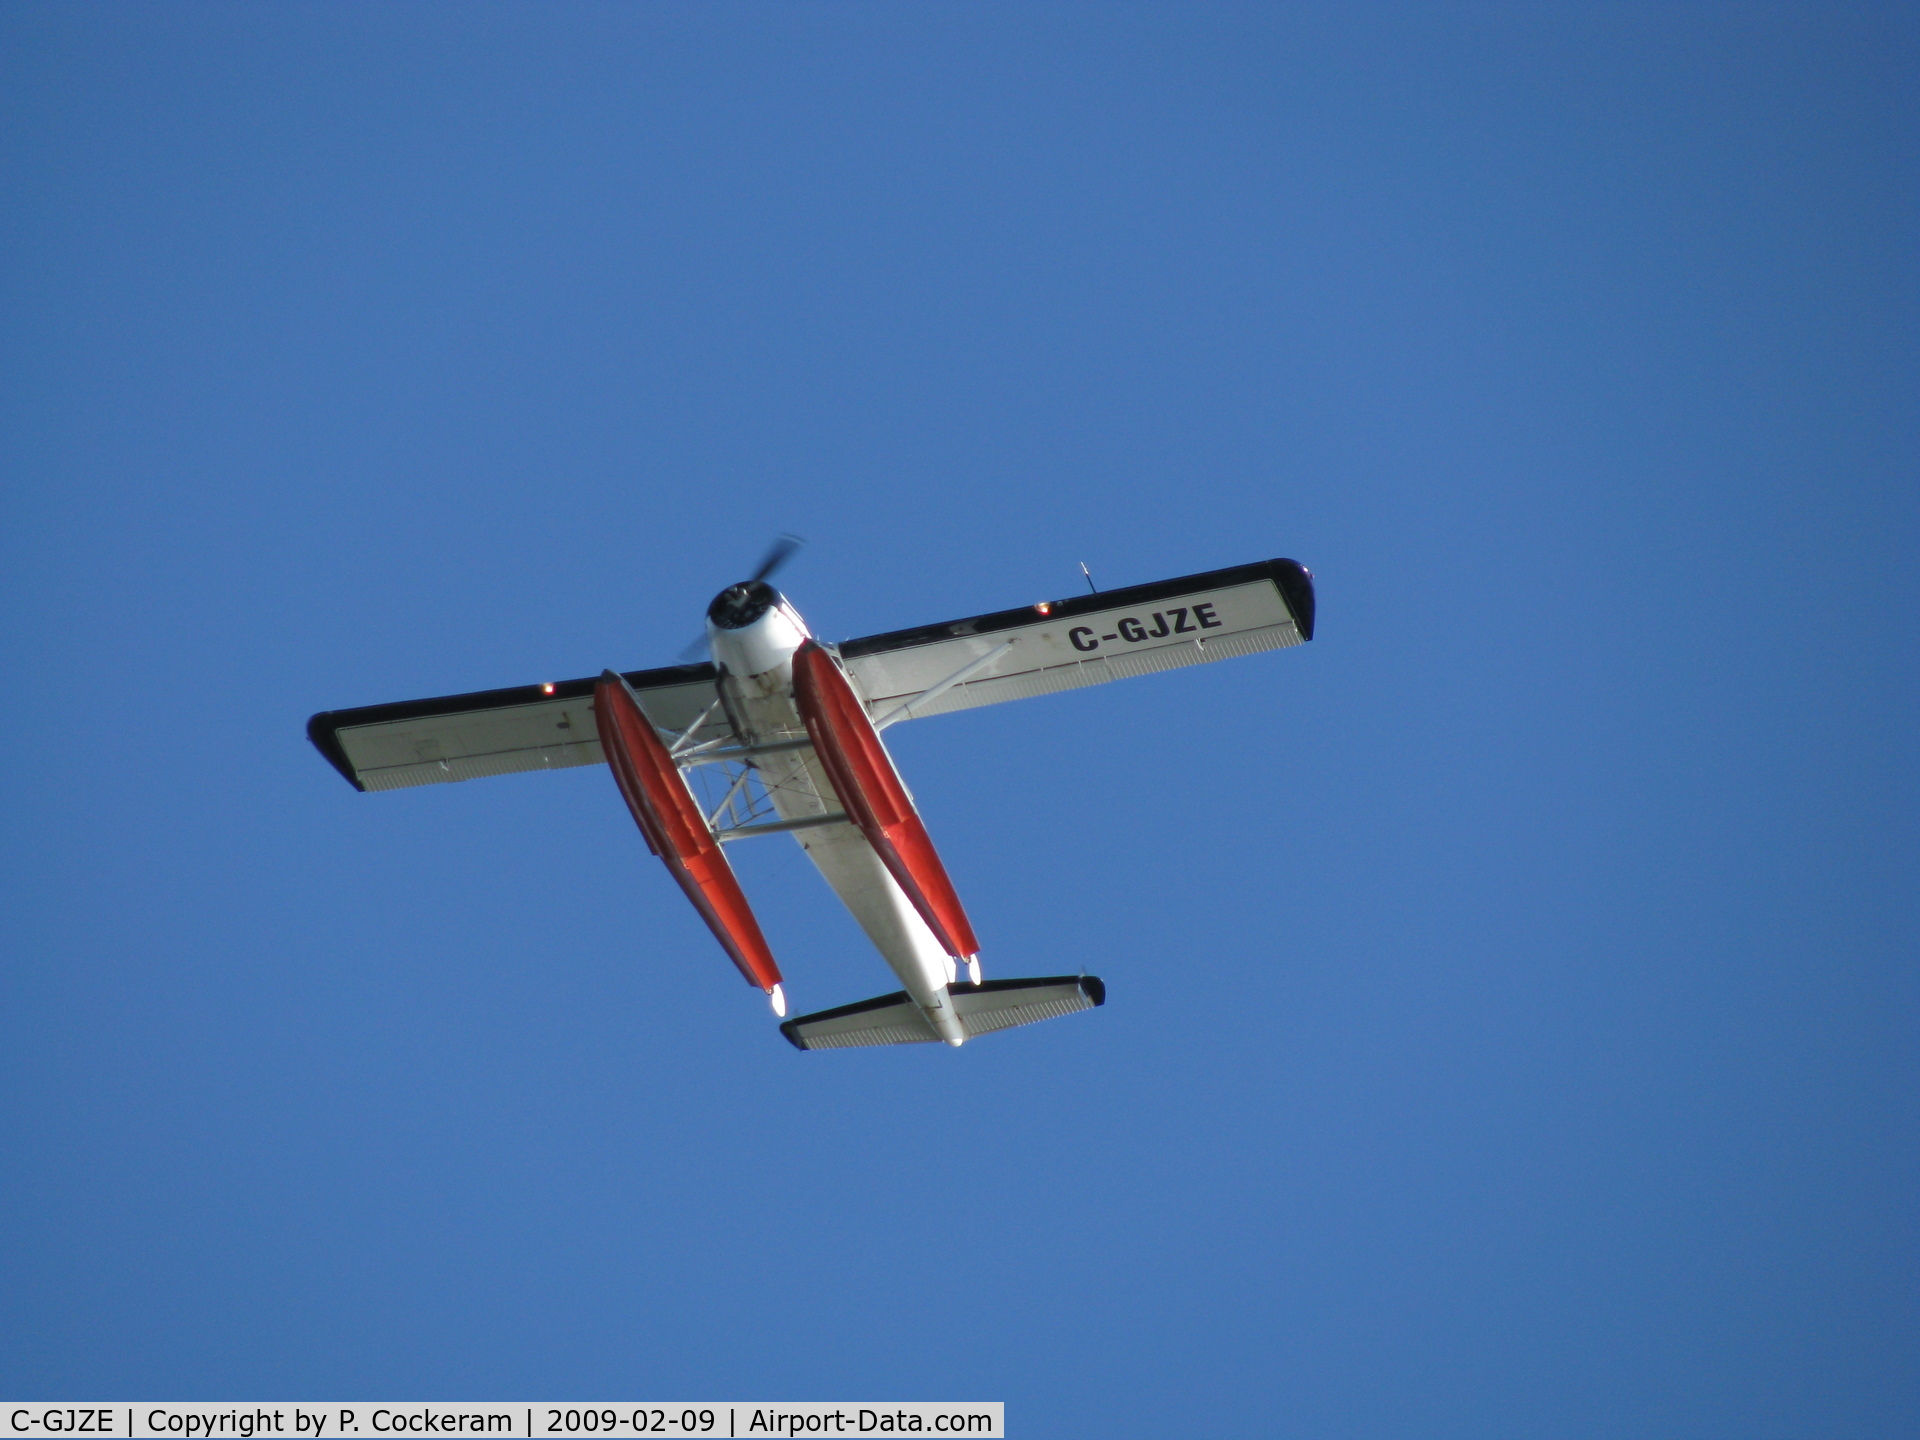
x=1513, y=1001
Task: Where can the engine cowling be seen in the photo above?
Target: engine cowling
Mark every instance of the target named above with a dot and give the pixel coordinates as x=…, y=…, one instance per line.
x=752, y=629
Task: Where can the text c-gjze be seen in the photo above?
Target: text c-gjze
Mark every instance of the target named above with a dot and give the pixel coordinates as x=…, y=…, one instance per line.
x=1130, y=629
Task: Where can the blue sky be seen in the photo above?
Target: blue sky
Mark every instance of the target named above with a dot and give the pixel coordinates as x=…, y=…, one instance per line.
x=1512, y=993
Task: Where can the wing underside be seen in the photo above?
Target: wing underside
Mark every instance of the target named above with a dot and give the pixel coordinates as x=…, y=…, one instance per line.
x=499, y=732
x=1087, y=640
x=905, y=674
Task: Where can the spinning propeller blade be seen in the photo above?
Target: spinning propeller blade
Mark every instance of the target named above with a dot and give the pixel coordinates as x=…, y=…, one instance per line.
x=777, y=555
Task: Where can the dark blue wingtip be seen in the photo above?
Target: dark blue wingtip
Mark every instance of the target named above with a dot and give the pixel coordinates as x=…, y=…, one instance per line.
x=326, y=739
x=1296, y=588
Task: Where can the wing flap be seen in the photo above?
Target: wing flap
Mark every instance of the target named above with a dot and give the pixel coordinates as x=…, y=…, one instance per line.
x=476, y=767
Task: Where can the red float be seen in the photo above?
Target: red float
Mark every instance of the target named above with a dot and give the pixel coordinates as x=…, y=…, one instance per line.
x=674, y=828
x=875, y=800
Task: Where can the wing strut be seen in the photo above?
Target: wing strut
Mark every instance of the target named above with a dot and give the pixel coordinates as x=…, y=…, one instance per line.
x=875, y=800
x=935, y=691
x=677, y=832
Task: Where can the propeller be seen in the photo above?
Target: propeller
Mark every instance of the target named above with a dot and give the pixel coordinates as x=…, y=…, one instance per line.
x=777, y=555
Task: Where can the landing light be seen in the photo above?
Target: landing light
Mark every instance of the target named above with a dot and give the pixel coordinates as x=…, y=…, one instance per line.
x=779, y=999
x=973, y=969
x=547, y=689
x=1044, y=608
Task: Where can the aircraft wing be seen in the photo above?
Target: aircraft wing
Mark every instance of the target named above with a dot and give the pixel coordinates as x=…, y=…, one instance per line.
x=1089, y=639
x=1008, y=655
x=499, y=732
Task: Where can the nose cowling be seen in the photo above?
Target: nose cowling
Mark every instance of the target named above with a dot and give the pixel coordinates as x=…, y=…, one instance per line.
x=752, y=629
x=738, y=606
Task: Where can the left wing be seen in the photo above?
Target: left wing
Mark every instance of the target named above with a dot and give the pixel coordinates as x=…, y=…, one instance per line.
x=499, y=732
x=1060, y=644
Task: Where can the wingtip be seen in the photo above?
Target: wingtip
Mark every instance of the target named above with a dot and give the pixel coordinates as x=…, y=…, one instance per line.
x=324, y=737
x=1296, y=588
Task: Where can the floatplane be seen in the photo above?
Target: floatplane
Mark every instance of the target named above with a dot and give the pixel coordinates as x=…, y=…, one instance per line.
x=786, y=729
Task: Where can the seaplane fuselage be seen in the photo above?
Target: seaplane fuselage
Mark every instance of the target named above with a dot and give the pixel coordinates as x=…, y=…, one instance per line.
x=755, y=634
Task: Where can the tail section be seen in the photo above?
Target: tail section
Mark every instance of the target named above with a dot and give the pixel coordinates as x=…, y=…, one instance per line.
x=994, y=1005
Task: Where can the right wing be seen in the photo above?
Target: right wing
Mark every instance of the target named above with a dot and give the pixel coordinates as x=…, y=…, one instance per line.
x=499, y=732
x=1060, y=644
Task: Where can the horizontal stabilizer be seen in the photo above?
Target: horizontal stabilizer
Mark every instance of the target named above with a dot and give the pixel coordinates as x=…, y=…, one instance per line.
x=995, y=1005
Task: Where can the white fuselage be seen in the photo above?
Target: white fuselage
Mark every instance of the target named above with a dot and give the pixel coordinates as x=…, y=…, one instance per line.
x=756, y=687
